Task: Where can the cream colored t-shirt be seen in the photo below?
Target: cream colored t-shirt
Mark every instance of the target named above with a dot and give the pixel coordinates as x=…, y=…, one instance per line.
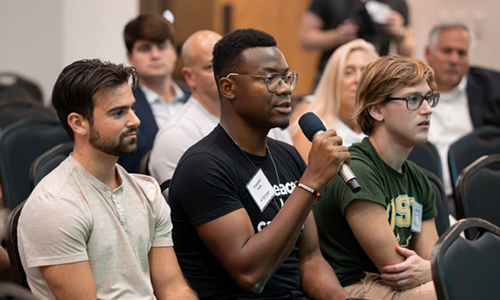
x=71, y=217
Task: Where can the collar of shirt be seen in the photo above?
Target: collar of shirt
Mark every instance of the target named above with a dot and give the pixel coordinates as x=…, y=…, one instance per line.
x=152, y=97
x=459, y=89
x=93, y=180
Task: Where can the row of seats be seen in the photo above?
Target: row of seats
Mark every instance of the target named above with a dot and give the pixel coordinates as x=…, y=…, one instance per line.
x=482, y=141
x=461, y=267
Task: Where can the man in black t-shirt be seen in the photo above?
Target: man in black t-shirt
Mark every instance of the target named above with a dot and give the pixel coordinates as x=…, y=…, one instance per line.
x=241, y=202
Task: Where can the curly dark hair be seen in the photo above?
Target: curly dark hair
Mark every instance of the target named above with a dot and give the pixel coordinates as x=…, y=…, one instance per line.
x=227, y=51
x=79, y=82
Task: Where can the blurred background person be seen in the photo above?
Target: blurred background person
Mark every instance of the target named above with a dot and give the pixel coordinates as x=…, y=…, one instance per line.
x=334, y=98
x=150, y=42
x=470, y=96
x=329, y=24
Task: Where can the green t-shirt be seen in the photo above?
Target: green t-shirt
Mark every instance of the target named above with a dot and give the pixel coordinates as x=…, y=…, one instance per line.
x=381, y=184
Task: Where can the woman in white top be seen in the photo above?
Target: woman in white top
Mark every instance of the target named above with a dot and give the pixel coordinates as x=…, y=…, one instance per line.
x=334, y=98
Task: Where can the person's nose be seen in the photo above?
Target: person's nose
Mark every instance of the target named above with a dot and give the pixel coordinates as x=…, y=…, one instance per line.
x=357, y=76
x=426, y=108
x=155, y=52
x=454, y=57
x=285, y=88
x=133, y=120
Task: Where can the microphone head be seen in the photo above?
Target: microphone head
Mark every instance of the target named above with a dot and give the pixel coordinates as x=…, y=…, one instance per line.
x=310, y=125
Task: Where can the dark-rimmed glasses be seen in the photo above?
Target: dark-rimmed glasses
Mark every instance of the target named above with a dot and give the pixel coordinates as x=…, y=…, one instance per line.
x=273, y=80
x=413, y=102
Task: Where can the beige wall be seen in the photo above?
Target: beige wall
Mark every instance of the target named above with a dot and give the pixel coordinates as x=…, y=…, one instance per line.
x=39, y=38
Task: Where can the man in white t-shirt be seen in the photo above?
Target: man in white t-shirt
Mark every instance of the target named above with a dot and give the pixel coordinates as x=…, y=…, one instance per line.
x=200, y=114
x=90, y=230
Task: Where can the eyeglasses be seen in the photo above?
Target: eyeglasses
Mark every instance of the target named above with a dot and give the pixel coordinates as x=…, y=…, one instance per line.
x=273, y=80
x=413, y=102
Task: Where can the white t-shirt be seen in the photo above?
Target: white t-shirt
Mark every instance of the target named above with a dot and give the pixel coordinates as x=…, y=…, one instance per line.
x=348, y=135
x=72, y=217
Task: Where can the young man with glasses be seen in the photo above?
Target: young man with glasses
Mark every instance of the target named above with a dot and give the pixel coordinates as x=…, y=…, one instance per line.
x=241, y=202
x=379, y=240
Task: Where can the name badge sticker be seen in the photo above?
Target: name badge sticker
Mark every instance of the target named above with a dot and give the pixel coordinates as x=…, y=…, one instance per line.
x=416, y=217
x=260, y=189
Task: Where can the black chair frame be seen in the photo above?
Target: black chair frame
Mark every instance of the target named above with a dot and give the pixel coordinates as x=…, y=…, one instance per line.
x=35, y=175
x=442, y=219
x=445, y=241
x=484, y=133
x=16, y=266
x=461, y=202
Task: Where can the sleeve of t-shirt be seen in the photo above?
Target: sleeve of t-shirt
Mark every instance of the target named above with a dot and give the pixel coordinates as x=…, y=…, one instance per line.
x=53, y=232
x=317, y=7
x=205, y=187
x=370, y=181
x=163, y=223
x=402, y=8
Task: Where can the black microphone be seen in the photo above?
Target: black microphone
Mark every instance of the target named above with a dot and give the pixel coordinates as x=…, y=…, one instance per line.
x=311, y=126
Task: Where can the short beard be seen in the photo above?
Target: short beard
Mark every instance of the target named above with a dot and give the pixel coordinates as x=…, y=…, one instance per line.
x=114, y=149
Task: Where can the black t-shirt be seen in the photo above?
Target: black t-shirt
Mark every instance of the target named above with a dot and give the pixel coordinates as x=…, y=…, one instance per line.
x=209, y=182
x=334, y=12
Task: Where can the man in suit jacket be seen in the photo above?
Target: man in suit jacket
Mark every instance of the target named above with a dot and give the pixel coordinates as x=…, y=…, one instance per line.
x=149, y=39
x=470, y=96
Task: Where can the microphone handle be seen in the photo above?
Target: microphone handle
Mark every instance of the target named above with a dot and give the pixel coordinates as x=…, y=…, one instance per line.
x=346, y=174
x=349, y=178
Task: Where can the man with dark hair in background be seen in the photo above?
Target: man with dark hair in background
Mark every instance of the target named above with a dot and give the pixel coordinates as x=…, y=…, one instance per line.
x=150, y=42
x=470, y=96
x=241, y=202
x=90, y=230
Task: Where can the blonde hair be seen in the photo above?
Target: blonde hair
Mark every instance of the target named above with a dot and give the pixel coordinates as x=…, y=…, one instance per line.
x=384, y=76
x=326, y=103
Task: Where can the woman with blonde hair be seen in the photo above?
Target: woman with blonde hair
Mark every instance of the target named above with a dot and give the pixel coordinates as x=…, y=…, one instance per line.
x=334, y=98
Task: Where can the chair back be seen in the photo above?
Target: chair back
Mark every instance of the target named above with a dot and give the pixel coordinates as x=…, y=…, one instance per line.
x=144, y=166
x=20, y=144
x=16, y=266
x=426, y=156
x=467, y=269
x=12, y=111
x=14, y=82
x=442, y=219
x=48, y=161
x=482, y=141
x=478, y=189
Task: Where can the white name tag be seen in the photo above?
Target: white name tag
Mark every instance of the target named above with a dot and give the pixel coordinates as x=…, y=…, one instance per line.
x=416, y=217
x=260, y=189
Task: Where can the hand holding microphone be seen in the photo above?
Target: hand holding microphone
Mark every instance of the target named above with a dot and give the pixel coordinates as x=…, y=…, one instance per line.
x=312, y=126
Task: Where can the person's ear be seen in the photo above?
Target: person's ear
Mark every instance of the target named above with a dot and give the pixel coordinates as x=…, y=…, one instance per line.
x=78, y=124
x=427, y=53
x=376, y=112
x=188, y=76
x=129, y=58
x=227, y=88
